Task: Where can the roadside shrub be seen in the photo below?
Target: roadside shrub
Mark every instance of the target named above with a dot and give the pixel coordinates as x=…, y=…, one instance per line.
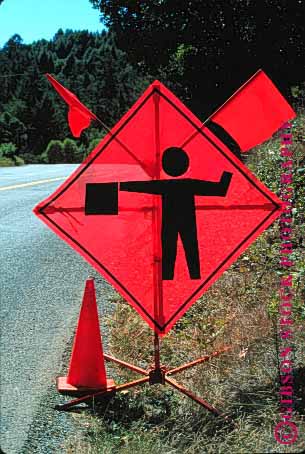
x=55, y=152
x=8, y=156
x=6, y=162
x=8, y=150
x=18, y=161
x=72, y=152
x=42, y=158
x=30, y=158
x=92, y=144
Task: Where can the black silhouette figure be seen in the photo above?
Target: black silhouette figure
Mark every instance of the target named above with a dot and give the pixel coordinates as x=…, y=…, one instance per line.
x=178, y=207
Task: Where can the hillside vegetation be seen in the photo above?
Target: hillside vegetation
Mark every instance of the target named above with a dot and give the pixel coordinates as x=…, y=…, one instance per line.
x=32, y=114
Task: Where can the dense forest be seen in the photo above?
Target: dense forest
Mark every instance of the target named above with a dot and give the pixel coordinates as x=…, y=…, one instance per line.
x=89, y=64
x=207, y=48
x=202, y=50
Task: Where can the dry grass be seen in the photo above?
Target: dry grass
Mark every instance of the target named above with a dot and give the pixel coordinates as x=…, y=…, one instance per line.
x=243, y=382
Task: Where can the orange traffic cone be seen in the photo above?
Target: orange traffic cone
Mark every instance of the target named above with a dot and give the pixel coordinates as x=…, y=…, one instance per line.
x=87, y=371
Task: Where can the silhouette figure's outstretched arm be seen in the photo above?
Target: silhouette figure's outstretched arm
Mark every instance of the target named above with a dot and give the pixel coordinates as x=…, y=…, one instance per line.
x=210, y=188
x=147, y=187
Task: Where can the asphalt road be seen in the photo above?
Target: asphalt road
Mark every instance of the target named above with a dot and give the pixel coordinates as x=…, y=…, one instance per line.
x=41, y=282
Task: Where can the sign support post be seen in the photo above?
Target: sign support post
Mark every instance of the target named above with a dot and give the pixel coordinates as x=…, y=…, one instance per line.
x=156, y=375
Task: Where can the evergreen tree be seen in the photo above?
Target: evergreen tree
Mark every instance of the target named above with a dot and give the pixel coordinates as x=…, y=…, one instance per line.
x=224, y=42
x=89, y=64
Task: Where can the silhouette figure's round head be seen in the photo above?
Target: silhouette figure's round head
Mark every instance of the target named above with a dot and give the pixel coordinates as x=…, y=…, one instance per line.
x=175, y=161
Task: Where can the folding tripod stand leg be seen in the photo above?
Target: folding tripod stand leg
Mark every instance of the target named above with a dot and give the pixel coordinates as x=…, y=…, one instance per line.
x=197, y=361
x=99, y=394
x=197, y=399
x=137, y=369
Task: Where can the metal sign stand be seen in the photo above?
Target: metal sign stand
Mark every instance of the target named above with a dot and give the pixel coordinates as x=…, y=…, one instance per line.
x=157, y=374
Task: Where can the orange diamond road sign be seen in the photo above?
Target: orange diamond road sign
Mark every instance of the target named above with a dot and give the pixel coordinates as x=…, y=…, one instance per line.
x=161, y=208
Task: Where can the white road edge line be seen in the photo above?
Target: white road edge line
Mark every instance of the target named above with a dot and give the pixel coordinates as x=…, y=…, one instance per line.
x=32, y=183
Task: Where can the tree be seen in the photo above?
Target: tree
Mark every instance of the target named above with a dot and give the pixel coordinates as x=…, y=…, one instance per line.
x=45, y=61
x=89, y=64
x=11, y=128
x=226, y=42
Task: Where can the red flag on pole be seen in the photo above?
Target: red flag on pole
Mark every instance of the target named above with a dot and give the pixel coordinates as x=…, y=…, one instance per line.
x=79, y=117
x=254, y=112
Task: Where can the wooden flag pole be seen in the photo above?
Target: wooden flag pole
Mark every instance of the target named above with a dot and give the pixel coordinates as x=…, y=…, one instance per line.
x=125, y=148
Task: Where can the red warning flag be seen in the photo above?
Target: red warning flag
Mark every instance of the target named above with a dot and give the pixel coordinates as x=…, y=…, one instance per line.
x=79, y=117
x=254, y=112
